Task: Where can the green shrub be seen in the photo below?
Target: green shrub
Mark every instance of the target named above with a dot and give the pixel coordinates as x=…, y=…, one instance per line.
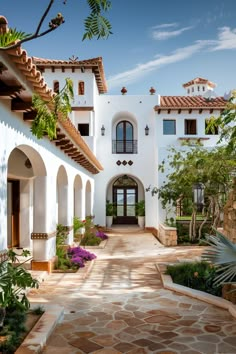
x=195, y=275
x=77, y=224
x=14, y=328
x=90, y=239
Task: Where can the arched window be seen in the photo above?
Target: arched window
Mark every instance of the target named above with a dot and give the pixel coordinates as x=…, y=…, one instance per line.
x=124, y=138
x=56, y=86
x=81, y=88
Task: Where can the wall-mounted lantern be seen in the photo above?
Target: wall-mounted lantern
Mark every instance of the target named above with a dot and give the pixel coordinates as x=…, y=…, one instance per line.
x=146, y=130
x=102, y=130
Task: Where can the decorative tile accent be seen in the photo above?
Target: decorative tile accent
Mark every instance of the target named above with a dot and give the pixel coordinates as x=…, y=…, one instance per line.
x=124, y=162
x=42, y=235
x=118, y=162
x=130, y=163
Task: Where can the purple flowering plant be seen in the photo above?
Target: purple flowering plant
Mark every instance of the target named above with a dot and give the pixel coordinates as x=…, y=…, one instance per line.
x=101, y=235
x=79, y=256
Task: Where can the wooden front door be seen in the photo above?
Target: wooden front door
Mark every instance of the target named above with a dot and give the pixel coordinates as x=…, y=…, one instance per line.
x=125, y=196
x=13, y=213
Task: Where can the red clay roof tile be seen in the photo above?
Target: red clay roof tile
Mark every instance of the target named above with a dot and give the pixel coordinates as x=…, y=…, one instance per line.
x=199, y=80
x=194, y=102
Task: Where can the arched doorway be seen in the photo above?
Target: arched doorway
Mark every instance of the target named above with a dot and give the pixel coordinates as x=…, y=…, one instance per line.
x=125, y=196
x=24, y=170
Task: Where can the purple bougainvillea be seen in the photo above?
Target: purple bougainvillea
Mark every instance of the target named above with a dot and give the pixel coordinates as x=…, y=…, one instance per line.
x=78, y=261
x=79, y=256
x=101, y=235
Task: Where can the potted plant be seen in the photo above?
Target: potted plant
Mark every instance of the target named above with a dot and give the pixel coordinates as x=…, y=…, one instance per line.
x=109, y=213
x=140, y=212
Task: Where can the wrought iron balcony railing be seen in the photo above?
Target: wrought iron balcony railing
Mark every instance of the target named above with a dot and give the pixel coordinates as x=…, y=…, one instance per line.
x=124, y=147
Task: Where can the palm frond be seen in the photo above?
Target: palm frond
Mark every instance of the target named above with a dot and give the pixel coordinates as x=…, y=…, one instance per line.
x=12, y=36
x=222, y=253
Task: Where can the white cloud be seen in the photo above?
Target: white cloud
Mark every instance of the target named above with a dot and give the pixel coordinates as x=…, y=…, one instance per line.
x=226, y=39
x=165, y=25
x=141, y=69
x=163, y=35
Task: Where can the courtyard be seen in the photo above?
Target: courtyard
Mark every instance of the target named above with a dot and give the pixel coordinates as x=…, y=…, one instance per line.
x=121, y=306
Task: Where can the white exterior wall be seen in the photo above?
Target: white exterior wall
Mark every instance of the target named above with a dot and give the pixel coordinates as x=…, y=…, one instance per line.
x=46, y=160
x=167, y=141
x=139, y=110
x=87, y=77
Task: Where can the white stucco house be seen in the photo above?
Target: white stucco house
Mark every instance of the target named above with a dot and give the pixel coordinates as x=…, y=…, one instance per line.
x=108, y=149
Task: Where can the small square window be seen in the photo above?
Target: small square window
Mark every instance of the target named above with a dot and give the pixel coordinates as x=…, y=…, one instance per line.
x=169, y=127
x=190, y=127
x=83, y=129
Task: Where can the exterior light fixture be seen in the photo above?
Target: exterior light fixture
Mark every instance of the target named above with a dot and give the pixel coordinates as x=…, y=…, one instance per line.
x=146, y=130
x=102, y=130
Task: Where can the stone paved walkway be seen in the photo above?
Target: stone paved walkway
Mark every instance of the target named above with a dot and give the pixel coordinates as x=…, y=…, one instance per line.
x=121, y=306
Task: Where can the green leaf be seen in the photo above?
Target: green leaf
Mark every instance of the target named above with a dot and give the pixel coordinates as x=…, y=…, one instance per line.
x=11, y=36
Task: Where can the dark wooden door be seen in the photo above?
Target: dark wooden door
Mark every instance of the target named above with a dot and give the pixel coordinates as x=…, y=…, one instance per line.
x=13, y=206
x=124, y=200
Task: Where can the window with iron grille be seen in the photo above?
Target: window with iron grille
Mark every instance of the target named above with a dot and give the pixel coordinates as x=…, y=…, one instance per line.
x=124, y=143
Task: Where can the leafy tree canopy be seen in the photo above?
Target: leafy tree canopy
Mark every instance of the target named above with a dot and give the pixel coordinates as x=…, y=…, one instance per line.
x=226, y=122
x=211, y=167
x=95, y=24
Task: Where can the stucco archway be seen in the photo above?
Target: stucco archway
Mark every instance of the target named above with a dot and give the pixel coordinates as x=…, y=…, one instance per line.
x=26, y=195
x=124, y=191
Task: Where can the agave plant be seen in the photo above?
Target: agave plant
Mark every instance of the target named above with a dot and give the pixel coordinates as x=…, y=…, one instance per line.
x=223, y=255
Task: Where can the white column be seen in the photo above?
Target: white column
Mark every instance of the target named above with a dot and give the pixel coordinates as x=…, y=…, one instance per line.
x=70, y=212
x=3, y=210
x=44, y=237
x=26, y=212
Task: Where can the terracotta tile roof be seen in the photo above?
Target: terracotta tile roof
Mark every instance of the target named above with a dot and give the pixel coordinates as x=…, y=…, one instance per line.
x=194, y=102
x=33, y=81
x=95, y=64
x=199, y=80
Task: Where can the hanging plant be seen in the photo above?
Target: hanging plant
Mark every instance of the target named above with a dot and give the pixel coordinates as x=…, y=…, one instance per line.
x=45, y=122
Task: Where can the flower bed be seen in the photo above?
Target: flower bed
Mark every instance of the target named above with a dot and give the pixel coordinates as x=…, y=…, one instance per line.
x=195, y=275
x=79, y=256
x=93, y=238
x=73, y=258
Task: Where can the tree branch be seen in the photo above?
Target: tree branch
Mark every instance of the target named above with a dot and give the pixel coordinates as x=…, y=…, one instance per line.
x=44, y=16
x=36, y=34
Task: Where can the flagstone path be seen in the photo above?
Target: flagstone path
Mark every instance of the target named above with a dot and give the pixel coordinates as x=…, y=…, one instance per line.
x=122, y=307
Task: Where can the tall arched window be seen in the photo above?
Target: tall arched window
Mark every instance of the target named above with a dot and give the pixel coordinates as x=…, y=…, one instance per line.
x=56, y=86
x=81, y=88
x=124, y=138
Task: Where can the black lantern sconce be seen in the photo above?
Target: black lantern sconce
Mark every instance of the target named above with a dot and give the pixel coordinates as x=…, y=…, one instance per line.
x=146, y=130
x=102, y=130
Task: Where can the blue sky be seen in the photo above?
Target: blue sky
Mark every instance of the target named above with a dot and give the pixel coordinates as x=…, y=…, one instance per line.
x=154, y=43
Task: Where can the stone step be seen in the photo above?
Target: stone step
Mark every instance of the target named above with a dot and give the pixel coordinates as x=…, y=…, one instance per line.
x=125, y=229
